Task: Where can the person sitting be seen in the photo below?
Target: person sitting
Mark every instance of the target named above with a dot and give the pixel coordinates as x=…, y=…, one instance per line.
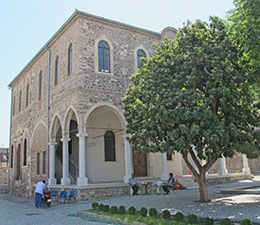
x=133, y=182
x=171, y=182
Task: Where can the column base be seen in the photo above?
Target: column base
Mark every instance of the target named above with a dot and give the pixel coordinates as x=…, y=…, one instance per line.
x=82, y=181
x=52, y=181
x=65, y=181
x=222, y=172
x=246, y=170
x=164, y=176
x=126, y=179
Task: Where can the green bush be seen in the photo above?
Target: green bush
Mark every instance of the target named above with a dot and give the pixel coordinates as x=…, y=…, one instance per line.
x=132, y=210
x=246, y=222
x=225, y=221
x=143, y=212
x=121, y=210
x=179, y=216
x=208, y=221
x=114, y=209
x=94, y=205
x=192, y=219
x=106, y=208
x=166, y=214
x=153, y=212
x=100, y=207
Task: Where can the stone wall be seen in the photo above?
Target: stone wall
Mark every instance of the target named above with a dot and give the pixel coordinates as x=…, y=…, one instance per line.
x=3, y=175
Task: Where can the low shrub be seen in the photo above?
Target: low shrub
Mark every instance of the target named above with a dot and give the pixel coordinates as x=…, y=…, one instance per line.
x=225, y=221
x=94, y=205
x=121, y=210
x=246, y=222
x=106, y=208
x=153, y=212
x=132, y=210
x=114, y=210
x=192, y=219
x=166, y=214
x=143, y=212
x=208, y=221
x=179, y=216
x=100, y=207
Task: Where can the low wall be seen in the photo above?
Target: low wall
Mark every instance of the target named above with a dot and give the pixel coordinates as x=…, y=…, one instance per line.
x=227, y=178
x=3, y=175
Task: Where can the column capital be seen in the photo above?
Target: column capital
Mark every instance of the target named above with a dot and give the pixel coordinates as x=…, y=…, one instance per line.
x=82, y=135
x=64, y=140
x=52, y=143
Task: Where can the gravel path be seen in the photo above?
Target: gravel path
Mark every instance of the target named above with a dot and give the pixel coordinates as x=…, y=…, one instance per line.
x=20, y=210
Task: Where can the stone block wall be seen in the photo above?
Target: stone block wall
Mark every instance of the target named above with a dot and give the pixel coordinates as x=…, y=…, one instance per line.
x=3, y=175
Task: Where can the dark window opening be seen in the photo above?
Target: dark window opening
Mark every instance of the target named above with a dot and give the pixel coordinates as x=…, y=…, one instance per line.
x=110, y=151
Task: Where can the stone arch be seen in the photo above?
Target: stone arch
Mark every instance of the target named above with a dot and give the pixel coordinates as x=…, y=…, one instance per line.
x=70, y=114
x=100, y=118
x=56, y=124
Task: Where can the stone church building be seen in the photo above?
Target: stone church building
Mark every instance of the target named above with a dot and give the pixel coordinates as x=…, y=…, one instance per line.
x=67, y=122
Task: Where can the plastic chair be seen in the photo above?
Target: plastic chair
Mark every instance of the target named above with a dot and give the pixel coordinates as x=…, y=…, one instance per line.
x=72, y=196
x=54, y=194
x=63, y=195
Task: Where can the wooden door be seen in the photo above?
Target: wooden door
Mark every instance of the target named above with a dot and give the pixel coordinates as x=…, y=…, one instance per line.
x=139, y=164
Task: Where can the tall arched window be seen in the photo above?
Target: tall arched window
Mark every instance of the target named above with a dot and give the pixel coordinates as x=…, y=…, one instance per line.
x=110, y=150
x=70, y=60
x=12, y=153
x=40, y=86
x=25, y=152
x=57, y=65
x=20, y=101
x=140, y=54
x=13, y=105
x=27, y=96
x=103, y=57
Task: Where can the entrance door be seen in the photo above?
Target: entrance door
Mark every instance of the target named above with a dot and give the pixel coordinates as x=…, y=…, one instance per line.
x=139, y=164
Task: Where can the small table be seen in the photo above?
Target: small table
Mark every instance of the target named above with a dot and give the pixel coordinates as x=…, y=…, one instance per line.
x=146, y=185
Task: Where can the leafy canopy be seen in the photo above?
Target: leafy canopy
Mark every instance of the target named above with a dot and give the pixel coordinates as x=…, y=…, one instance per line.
x=194, y=92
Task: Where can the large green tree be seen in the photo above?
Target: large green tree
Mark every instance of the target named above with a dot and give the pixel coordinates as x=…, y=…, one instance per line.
x=194, y=93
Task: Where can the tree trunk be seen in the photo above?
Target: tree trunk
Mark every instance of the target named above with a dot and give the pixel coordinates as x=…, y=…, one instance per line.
x=204, y=197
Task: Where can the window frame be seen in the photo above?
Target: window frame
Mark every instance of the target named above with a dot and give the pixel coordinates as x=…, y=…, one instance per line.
x=108, y=157
x=57, y=70
x=40, y=78
x=27, y=96
x=38, y=159
x=25, y=152
x=139, y=56
x=105, y=59
x=70, y=59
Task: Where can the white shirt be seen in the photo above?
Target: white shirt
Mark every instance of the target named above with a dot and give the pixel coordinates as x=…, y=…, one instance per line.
x=133, y=181
x=40, y=186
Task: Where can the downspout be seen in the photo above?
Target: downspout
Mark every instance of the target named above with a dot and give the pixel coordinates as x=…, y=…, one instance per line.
x=48, y=109
x=9, y=154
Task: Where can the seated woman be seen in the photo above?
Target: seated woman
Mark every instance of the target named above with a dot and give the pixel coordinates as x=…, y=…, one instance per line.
x=171, y=183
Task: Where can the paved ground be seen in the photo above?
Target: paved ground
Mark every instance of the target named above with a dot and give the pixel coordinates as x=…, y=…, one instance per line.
x=20, y=210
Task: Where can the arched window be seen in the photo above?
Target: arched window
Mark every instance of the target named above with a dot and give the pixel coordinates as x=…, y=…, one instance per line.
x=70, y=60
x=20, y=101
x=14, y=106
x=25, y=152
x=140, y=54
x=27, y=95
x=110, y=151
x=40, y=86
x=12, y=153
x=56, y=79
x=103, y=57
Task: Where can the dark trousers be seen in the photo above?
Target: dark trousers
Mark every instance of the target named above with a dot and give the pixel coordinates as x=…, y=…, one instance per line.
x=135, y=189
x=38, y=199
x=166, y=188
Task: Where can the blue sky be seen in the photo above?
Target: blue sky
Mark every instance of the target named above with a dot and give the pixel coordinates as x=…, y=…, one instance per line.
x=26, y=25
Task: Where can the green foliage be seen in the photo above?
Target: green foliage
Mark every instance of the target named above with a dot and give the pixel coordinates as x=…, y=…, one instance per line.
x=166, y=214
x=101, y=207
x=132, y=210
x=225, y=221
x=194, y=92
x=153, y=212
x=246, y=222
x=143, y=212
x=114, y=209
x=208, y=221
x=179, y=217
x=94, y=205
x=121, y=209
x=106, y=208
x=192, y=219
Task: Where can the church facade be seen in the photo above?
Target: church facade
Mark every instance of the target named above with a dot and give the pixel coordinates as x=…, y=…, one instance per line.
x=67, y=122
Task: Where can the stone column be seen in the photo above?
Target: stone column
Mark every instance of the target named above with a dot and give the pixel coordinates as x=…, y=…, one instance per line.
x=82, y=179
x=164, y=174
x=222, y=166
x=246, y=169
x=52, y=180
x=128, y=161
x=65, y=180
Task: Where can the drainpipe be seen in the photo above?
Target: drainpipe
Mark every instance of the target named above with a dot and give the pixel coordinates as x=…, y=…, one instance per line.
x=9, y=154
x=48, y=109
